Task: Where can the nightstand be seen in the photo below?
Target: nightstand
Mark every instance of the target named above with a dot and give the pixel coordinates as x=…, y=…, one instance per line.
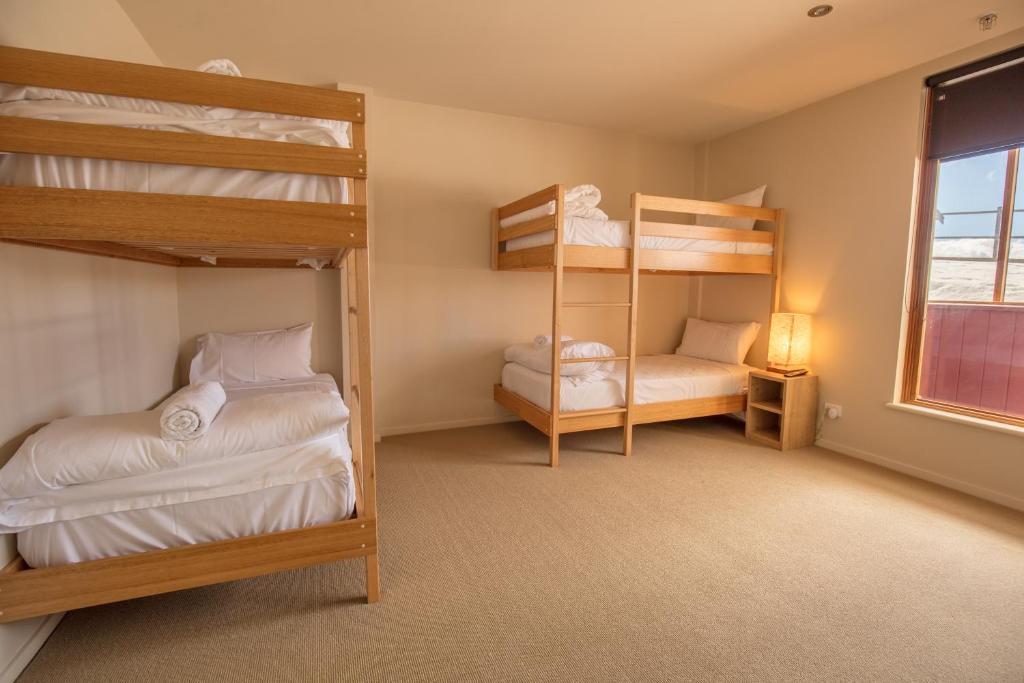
x=782, y=411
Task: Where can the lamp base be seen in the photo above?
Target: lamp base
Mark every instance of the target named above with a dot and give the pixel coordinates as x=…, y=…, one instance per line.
x=789, y=372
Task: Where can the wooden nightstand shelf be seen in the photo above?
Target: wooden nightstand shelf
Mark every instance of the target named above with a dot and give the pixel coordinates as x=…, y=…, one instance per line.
x=782, y=411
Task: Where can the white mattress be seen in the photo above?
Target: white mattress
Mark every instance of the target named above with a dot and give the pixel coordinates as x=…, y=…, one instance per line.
x=317, y=501
x=270, y=490
x=29, y=170
x=607, y=233
x=659, y=378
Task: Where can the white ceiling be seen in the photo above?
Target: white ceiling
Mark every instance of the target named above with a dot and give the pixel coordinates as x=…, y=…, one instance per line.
x=667, y=68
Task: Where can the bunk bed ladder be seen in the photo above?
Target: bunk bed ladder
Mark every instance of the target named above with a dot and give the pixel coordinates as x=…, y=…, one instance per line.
x=556, y=330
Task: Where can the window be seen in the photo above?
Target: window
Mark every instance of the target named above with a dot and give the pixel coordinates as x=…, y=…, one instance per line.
x=965, y=347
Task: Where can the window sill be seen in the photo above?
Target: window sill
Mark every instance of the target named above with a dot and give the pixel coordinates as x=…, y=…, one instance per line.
x=981, y=423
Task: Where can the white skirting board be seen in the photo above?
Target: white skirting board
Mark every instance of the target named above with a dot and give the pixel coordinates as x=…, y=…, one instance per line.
x=927, y=475
x=12, y=668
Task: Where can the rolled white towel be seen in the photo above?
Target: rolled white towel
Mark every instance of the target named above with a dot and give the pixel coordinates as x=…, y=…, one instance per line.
x=545, y=339
x=190, y=412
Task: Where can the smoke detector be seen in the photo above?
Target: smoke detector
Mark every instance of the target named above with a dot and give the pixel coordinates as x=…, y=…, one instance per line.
x=819, y=11
x=987, y=21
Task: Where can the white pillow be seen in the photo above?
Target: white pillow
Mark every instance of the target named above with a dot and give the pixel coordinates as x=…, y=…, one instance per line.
x=753, y=198
x=253, y=356
x=722, y=342
x=539, y=357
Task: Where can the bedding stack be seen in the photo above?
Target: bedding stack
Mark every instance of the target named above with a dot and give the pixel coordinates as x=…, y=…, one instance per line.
x=214, y=461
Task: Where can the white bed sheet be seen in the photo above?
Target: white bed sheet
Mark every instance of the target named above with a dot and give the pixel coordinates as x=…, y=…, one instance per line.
x=29, y=170
x=317, y=501
x=667, y=377
x=601, y=233
x=281, y=488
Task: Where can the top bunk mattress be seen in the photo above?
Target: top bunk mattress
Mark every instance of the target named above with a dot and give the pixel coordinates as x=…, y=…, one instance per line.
x=32, y=170
x=597, y=232
x=659, y=378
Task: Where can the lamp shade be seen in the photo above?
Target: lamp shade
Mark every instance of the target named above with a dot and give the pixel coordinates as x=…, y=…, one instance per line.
x=789, y=343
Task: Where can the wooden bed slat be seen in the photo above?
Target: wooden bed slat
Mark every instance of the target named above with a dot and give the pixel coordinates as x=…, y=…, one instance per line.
x=99, y=215
x=696, y=206
x=532, y=227
x=606, y=418
x=531, y=412
x=33, y=592
x=69, y=72
x=244, y=262
x=650, y=228
x=585, y=256
x=98, y=141
x=663, y=259
x=548, y=194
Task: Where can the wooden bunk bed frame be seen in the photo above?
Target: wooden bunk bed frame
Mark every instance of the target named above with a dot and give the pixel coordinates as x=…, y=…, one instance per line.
x=559, y=258
x=174, y=230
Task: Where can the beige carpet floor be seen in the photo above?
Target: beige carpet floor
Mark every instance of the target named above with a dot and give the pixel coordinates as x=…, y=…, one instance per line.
x=704, y=557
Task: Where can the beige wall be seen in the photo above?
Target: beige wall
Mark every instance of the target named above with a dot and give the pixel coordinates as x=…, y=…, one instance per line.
x=242, y=299
x=845, y=170
x=78, y=334
x=442, y=317
x=92, y=28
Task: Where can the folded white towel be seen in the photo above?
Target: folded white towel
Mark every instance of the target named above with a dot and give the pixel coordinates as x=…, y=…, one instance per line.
x=190, y=412
x=580, y=201
x=539, y=358
x=581, y=198
x=545, y=339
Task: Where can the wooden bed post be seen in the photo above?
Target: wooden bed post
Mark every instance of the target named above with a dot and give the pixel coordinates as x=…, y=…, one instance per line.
x=780, y=227
x=556, y=321
x=360, y=391
x=634, y=288
x=362, y=373
x=495, y=245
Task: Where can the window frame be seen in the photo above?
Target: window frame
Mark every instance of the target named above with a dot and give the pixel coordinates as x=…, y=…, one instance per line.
x=920, y=267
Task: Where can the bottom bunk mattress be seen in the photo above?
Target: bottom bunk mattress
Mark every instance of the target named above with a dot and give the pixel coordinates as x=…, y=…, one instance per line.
x=307, y=481
x=659, y=378
x=307, y=503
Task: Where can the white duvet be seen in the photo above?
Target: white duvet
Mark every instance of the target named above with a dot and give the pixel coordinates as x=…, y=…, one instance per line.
x=89, y=449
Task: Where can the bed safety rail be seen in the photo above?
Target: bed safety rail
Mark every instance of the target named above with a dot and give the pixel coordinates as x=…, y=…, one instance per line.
x=180, y=229
x=583, y=258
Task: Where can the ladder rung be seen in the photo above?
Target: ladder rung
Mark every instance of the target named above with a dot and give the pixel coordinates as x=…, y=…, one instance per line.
x=595, y=359
x=588, y=413
x=596, y=304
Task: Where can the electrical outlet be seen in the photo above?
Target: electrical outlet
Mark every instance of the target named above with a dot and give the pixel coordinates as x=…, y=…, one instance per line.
x=833, y=411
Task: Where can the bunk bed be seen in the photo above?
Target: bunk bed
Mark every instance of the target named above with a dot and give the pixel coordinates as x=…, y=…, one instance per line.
x=548, y=242
x=175, y=224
